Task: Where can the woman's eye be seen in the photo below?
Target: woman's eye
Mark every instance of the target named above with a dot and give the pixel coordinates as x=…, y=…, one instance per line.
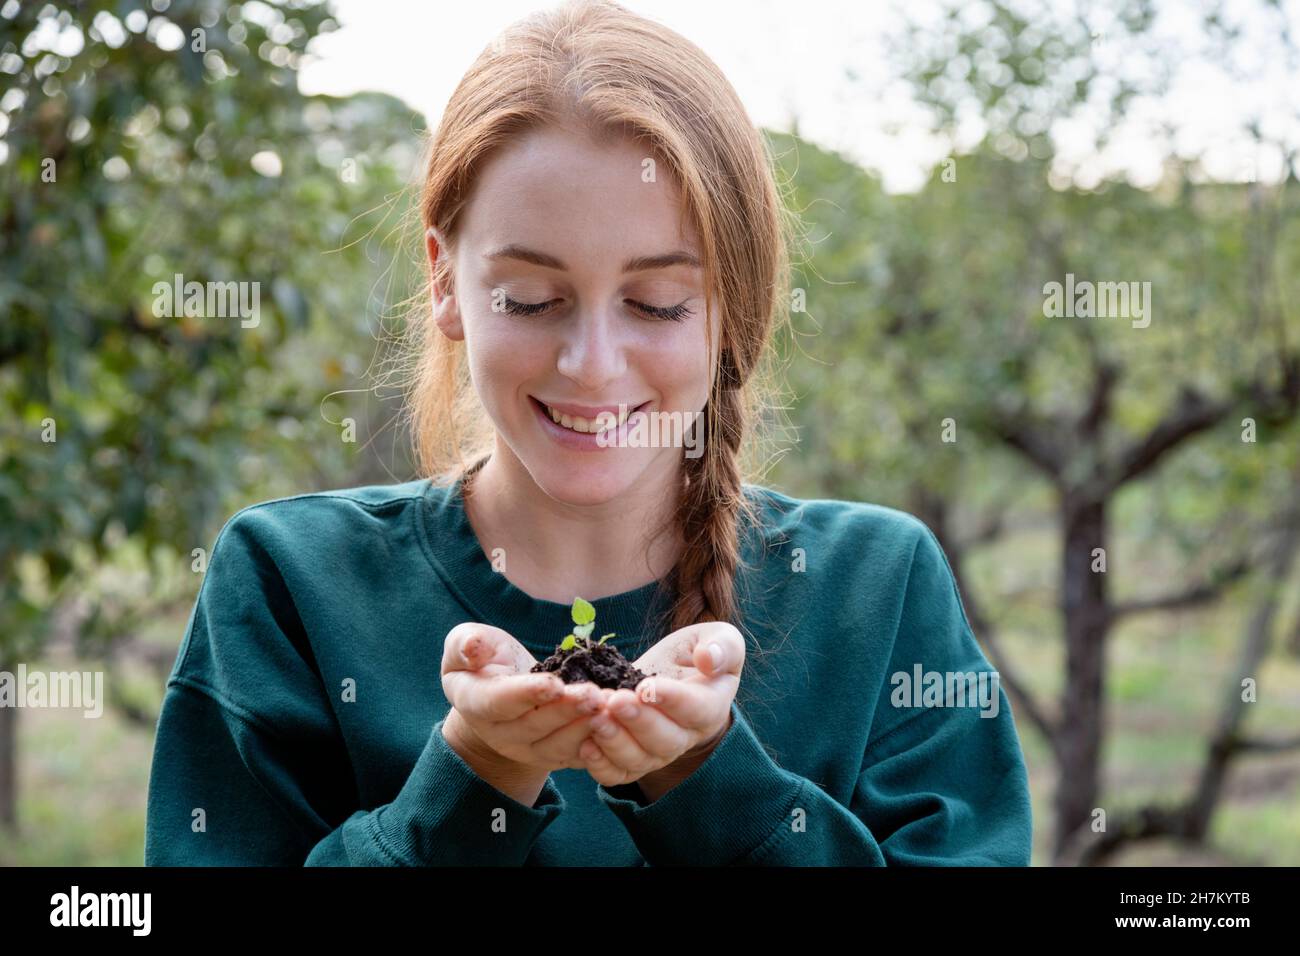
x=525, y=308
x=676, y=313
x=673, y=313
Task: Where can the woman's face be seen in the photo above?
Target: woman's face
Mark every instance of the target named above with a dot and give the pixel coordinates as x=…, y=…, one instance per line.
x=566, y=251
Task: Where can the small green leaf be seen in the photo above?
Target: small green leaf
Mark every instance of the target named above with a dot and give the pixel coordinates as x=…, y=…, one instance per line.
x=584, y=630
x=568, y=643
x=583, y=613
x=606, y=637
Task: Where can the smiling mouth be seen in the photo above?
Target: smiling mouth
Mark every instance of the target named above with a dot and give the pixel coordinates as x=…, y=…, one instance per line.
x=603, y=422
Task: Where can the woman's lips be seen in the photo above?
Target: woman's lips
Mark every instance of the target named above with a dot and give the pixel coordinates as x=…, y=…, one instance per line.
x=583, y=441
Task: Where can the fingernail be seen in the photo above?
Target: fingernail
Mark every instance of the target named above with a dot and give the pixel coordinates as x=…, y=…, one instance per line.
x=605, y=729
x=715, y=655
x=627, y=711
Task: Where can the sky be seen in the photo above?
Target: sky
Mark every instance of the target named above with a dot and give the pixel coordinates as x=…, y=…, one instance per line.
x=791, y=60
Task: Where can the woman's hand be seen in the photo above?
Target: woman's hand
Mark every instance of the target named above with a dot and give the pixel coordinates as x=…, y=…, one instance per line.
x=681, y=710
x=502, y=713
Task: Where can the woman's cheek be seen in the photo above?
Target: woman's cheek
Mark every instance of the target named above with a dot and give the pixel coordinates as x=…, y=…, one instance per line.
x=688, y=368
x=503, y=339
x=504, y=359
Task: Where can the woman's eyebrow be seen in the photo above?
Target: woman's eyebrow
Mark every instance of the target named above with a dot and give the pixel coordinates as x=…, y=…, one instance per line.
x=638, y=264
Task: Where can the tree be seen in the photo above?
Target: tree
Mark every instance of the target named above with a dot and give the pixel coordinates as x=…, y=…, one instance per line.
x=943, y=324
x=138, y=146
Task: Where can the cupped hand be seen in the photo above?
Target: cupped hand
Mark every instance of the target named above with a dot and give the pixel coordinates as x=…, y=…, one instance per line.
x=503, y=712
x=679, y=712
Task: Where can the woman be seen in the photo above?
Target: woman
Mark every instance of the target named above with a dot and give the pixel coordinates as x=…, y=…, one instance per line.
x=607, y=253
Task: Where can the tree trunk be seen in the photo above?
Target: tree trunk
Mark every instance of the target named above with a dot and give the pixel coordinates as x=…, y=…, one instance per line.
x=1086, y=623
x=8, y=767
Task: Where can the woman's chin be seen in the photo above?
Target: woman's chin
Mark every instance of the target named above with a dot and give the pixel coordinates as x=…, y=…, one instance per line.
x=585, y=483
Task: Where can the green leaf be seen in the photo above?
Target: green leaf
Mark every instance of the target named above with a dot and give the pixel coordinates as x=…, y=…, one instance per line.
x=568, y=643
x=584, y=630
x=583, y=613
x=605, y=638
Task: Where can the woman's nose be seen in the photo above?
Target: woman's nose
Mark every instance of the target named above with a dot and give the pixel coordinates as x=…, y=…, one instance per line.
x=592, y=354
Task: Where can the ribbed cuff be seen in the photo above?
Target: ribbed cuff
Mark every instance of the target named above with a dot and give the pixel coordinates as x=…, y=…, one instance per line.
x=447, y=815
x=718, y=815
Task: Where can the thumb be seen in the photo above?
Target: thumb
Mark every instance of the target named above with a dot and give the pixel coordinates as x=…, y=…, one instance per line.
x=471, y=646
x=720, y=649
x=711, y=657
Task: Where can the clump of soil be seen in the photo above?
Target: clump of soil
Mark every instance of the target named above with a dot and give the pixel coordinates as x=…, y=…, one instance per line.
x=588, y=660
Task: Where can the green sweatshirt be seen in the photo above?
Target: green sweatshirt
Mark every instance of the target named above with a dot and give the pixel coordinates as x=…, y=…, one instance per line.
x=302, y=722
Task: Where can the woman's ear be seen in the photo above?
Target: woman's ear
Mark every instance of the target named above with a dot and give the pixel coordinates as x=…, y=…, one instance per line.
x=446, y=308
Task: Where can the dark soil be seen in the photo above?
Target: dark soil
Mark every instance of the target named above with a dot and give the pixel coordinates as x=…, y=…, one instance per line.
x=602, y=664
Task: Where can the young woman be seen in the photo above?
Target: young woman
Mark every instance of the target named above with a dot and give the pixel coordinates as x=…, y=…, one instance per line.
x=605, y=238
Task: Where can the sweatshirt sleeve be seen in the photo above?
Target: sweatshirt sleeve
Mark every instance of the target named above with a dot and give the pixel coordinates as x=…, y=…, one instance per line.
x=230, y=785
x=938, y=786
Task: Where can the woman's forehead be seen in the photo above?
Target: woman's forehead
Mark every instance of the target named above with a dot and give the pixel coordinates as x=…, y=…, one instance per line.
x=553, y=187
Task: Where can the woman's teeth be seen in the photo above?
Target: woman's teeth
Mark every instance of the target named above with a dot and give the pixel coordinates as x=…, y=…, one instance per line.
x=603, y=422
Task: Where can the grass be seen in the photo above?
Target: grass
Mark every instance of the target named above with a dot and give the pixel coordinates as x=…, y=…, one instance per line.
x=82, y=788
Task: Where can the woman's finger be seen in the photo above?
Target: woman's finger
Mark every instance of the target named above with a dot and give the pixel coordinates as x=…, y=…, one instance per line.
x=577, y=700
x=560, y=748
x=712, y=648
x=650, y=745
x=472, y=646
x=694, y=705
x=500, y=697
x=599, y=766
x=473, y=656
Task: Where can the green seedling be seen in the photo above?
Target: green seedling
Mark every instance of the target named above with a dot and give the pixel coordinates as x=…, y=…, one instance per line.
x=584, y=622
x=579, y=657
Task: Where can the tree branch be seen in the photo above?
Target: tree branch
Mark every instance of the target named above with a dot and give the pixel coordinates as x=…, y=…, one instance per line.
x=1202, y=592
x=1194, y=413
x=1032, y=439
x=1268, y=744
x=1105, y=375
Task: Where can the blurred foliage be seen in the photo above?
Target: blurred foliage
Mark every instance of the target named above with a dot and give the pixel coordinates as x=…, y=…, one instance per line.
x=928, y=306
x=931, y=376
x=140, y=142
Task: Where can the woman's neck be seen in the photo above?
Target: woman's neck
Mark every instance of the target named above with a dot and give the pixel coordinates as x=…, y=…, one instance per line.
x=555, y=551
